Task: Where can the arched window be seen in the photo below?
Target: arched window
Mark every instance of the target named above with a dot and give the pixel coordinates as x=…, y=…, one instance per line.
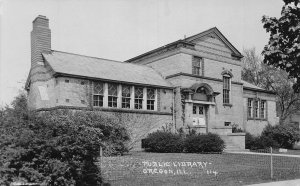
x=226, y=86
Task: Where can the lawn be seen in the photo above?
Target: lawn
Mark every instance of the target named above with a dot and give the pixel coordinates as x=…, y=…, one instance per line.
x=196, y=169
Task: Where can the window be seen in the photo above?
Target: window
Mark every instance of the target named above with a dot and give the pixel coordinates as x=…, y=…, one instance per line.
x=67, y=81
x=197, y=65
x=138, y=98
x=98, y=94
x=82, y=82
x=255, y=109
x=201, y=110
x=250, y=108
x=150, y=99
x=125, y=96
x=262, y=109
x=227, y=123
x=226, y=89
x=112, y=95
x=194, y=109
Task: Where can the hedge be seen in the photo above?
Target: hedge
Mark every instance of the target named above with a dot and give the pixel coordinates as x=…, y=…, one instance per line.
x=165, y=142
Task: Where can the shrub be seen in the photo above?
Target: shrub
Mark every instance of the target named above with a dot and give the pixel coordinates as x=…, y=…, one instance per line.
x=204, y=143
x=256, y=142
x=57, y=148
x=278, y=136
x=161, y=141
x=283, y=136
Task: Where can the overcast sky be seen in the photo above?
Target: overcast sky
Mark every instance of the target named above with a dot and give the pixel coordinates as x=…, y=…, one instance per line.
x=121, y=29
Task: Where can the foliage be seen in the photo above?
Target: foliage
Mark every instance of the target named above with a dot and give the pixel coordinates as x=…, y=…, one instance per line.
x=270, y=78
x=204, y=143
x=283, y=48
x=283, y=135
x=278, y=136
x=161, y=141
x=259, y=142
x=236, y=128
x=56, y=148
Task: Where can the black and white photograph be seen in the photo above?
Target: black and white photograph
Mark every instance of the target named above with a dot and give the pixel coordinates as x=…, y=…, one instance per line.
x=149, y=93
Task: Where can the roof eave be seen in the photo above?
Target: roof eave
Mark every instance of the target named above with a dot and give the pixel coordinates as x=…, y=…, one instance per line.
x=160, y=48
x=62, y=74
x=259, y=90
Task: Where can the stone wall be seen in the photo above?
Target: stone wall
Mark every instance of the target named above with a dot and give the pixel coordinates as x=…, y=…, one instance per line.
x=140, y=125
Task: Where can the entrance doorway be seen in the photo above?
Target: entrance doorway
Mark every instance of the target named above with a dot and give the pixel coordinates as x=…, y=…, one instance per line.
x=199, y=115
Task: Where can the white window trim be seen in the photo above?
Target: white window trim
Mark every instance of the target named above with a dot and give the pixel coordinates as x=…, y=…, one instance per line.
x=105, y=96
x=144, y=98
x=119, y=93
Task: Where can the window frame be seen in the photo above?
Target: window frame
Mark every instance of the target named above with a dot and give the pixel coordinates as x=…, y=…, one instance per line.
x=226, y=89
x=112, y=100
x=259, y=109
x=125, y=99
x=98, y=95
x=197, y=65
x=262, y=109
x=138, y=101
x=151, y=100
x=250, y=108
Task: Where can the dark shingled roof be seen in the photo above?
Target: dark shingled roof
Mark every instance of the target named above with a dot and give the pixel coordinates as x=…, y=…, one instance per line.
x=98, y=68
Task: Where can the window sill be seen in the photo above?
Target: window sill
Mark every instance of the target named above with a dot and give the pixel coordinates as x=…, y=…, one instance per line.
x=140, y=111
x=227, y=105
x=259, y=119
x=105, y=110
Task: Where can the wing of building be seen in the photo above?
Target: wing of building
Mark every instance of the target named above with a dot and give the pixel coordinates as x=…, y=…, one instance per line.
x=191, y=83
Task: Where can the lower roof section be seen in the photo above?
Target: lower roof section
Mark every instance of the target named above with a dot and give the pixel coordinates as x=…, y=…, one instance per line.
x=76, y=65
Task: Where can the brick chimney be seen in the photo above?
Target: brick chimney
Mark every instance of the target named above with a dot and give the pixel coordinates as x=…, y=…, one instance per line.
x=40, y=40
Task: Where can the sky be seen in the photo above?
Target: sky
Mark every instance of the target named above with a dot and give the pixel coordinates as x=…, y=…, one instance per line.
x=121, y=29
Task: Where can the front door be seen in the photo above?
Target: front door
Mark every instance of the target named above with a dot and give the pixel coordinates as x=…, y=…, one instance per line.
x=199, y=115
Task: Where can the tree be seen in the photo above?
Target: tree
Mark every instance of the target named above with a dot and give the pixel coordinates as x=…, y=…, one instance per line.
x=283, y=48
x=58, y=147
x=273, y=79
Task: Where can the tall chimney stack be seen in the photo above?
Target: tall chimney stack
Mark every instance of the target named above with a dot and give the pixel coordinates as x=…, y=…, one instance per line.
x=40, y=40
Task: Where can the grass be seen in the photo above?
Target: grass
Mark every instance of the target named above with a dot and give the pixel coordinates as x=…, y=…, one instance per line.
x=211, y=169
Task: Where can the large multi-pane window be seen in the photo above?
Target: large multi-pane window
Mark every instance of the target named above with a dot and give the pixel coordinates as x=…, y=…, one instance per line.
x=112, y=95
x=226, y=89
x=138, y=98
x=197, y=65
x=256, y=108
x=150, y=98
x=98, y=94
x=125, y=96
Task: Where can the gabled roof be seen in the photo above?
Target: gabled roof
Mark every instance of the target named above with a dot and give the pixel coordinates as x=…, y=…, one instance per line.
x=249, y=86
x=217, y=32
x=68, y=64
x=190, y=41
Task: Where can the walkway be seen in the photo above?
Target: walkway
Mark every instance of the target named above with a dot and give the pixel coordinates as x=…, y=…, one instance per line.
x=280, y=183
x=264, y=154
